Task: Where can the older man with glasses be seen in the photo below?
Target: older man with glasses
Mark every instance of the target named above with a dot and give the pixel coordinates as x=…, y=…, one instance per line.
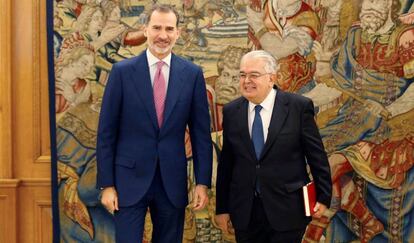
x=269, y=136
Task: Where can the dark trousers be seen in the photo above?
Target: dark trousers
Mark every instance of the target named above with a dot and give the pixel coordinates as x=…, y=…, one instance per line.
x=167, y=220
x=260, y=231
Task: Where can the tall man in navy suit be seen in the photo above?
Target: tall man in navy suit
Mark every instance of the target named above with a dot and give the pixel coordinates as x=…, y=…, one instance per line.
x=149, y=100
x=269, y=136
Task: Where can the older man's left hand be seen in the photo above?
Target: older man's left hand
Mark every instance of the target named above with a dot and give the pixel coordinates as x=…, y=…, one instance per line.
x=319, y=209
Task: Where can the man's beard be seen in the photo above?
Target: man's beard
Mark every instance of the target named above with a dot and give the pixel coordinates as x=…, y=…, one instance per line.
x=372, y=19
x=160, y=49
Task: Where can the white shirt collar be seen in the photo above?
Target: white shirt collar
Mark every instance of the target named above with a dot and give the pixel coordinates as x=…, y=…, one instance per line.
x=153, y=59
x=267, y=103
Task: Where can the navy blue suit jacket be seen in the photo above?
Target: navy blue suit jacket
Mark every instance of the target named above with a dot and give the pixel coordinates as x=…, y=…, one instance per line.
x=130, y=143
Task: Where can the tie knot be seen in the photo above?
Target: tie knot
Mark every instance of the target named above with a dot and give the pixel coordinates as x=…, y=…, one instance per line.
x=258, y=108
x=160, y=64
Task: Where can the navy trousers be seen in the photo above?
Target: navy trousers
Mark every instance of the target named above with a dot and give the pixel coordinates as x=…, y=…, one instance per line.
x=167, y=220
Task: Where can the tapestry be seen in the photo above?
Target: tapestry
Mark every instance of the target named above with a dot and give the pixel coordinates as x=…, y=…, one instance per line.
x=354, y=59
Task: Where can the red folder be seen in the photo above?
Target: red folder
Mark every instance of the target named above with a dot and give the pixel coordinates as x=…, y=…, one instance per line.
x=309, y=198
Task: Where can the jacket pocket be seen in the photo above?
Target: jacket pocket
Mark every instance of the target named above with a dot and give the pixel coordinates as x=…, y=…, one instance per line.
x=125, y=162
x=291, y=187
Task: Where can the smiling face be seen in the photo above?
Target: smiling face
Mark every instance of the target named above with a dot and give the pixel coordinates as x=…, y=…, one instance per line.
x=255, y=82
x=162, y=33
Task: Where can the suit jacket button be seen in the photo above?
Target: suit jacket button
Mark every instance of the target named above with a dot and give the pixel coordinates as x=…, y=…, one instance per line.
x=258, y=166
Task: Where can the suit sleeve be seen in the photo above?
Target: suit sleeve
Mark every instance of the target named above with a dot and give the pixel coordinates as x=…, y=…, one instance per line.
x=199, y=125
x=108, y=129
x=316, y=156
x=224, y=171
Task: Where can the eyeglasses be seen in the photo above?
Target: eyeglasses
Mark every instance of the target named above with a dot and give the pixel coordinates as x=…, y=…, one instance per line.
x=251, y=76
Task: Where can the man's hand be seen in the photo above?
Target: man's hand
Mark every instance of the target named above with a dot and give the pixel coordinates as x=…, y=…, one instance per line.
x=319, y=209
x=109, y=199
x=223, y=221
x=200, y=197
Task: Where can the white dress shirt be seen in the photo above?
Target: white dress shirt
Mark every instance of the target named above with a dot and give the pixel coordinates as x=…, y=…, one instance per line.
x=152, y=64
x=266, y=113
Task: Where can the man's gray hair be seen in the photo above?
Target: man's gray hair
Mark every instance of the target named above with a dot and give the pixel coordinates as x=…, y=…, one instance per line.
x=163, y=8
x=271, y=63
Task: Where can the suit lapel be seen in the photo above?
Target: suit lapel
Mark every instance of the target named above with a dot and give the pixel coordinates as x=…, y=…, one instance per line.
x=244, y=127
x=279, y=114
x=142, y=83
x=175, y=83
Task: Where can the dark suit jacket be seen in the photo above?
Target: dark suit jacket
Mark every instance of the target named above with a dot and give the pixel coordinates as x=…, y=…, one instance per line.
x=130, y=143
x=293, y=140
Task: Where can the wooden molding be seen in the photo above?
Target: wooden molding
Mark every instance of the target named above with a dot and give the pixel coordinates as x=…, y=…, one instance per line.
x=25, y=182
x=9, y=183
x=43, y=159
x=36, y=182
x=5, y=91
x=40, y=84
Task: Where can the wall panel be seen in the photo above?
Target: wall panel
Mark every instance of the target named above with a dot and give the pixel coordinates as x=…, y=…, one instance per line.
x=35, y=214
x=30, y=95
x=25, y=197
x=8, y=210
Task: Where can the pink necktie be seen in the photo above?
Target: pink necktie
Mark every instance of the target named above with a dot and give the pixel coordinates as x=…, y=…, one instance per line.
x=159, y=92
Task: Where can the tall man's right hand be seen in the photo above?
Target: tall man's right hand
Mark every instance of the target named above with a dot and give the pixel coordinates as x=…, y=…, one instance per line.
x=223, y=221
x=109, y=199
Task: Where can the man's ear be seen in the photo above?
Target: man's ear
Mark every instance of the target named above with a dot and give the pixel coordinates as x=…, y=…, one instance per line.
x=273, y=77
